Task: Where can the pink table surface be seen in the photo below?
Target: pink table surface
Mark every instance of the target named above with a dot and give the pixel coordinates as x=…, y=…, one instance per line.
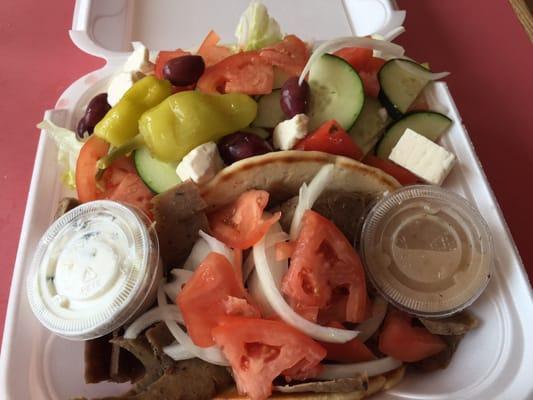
x=481, y=42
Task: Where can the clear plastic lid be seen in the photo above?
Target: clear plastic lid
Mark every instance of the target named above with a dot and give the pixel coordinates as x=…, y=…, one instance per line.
x=428, y=251
x=94, y=269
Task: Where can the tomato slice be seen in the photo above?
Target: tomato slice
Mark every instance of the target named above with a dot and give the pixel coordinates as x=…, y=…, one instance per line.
x=353, y=351
x=402, y=175
x=163, y=57
x=324, y=267
x=284, y=250
x=369, y=76
x=366, y=66
x=331, y=138
x=210, y=51
x=133, y=191
x=260, y=350
x=211, y=293
x=243, y=72
x=405, y=342
x=357, y=57
x=119, y=182
x=290, y=55
x=241, y=224
x=93, y=149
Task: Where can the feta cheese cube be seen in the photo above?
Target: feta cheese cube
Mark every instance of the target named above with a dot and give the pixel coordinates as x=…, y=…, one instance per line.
x=120, y=84
x=139, y=60
x=201, y=164
x=422, y=157
x=288, y=133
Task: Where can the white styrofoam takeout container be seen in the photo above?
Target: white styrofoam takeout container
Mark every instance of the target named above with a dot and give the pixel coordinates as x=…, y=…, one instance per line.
x=491, y=362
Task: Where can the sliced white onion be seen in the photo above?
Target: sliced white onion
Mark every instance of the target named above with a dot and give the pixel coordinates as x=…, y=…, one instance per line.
x=421, y=73
x=385, y=47
x=173, y=288
x=162, y=313
x=177, y=352
x=308, y=195
x=371, y=325
x=217, y=246
x=278, y=269
x=211, y=354
x=263, y=268
x=371, y=368
x=248, y=266
x=199, y=251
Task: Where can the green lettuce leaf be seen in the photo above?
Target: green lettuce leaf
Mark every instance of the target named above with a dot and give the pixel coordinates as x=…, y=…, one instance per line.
x=256, y=29
x=68, y=149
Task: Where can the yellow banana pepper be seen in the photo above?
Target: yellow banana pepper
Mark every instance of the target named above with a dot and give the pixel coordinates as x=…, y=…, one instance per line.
x=121, y=123
x=185, y=120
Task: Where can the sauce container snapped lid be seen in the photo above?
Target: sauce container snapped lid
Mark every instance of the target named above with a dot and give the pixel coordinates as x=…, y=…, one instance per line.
x=427, y=251
x=94, y=269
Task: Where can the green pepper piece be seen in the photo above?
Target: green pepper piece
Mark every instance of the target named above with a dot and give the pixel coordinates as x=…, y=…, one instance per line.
x=120, y=124
x=188, y=119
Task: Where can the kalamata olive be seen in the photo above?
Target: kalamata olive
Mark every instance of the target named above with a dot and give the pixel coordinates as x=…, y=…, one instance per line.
x=82, y=131
x=95, y=111
x=241, y=145
x=294, y=98
x=184, y=70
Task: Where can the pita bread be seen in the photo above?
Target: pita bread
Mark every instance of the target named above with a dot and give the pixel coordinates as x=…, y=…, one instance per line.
x=282, y=173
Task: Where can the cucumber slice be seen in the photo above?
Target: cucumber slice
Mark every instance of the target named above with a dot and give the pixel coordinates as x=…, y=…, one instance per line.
x=336, y=92
x=427, y=123
x=159, y=176
x=269, y=112
x=370, y=125
x=399, y=87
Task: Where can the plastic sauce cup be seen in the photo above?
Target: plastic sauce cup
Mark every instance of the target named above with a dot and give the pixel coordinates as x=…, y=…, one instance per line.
x=95, y=269
x=427, y=251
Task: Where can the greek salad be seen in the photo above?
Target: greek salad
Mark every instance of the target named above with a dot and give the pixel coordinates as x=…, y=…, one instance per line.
x=266, y=293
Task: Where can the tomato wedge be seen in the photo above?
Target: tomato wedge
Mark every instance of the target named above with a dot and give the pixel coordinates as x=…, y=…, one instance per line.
x=331, y=138
x=353, y=351
x=241, y=224
x=357, y=57
x=366, y=65
x=405, y=342
x=213, y=292
x=290, y=55
x=243, y=72
x=133, y=191
x=324, y=267
x=163, y=57
x=94, y=149
x=402, y=175
x=119, y=182
x=210, y=51
x=260, y=350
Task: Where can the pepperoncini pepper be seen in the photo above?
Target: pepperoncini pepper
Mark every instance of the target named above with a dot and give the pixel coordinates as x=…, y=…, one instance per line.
x=120, y=124
x=186, y=120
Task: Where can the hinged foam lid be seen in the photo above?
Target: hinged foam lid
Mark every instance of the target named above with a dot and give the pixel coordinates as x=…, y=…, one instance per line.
x=106, y=28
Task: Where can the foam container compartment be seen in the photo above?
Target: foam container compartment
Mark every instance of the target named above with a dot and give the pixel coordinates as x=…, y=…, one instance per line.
x=491, y=362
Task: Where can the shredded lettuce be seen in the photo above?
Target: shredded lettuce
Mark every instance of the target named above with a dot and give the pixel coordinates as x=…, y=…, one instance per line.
x=256, y=29
x=68, y=149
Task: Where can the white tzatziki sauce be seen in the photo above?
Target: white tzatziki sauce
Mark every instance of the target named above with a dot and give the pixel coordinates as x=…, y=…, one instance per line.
x=95, y=268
